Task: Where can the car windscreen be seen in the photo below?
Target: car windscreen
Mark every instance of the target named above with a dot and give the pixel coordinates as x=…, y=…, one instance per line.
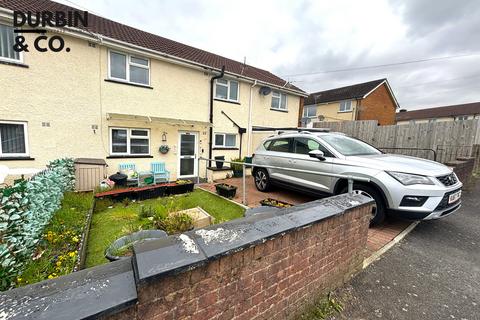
x=349, y=146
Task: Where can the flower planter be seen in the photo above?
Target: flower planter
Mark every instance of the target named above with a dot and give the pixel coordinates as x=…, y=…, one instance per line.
x=226, y=190
x=121, y=248
x=218, y=161
x=238, y=173
x=180, y=188
x=269, y=202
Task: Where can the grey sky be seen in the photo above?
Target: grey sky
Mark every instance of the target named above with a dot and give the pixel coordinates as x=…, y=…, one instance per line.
x=292, y=37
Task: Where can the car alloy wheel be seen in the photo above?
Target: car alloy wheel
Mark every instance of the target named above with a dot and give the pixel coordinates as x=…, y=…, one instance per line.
x=261, y=180
x=366, y=194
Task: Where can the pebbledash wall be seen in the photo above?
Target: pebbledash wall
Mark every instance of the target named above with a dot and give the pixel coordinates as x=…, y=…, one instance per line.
x=69, y=92
x=271, y=265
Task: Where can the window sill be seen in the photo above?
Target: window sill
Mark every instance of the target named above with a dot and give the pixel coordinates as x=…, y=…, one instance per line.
x=224, y=148
x=349, y=111
x=129, y=83
x=25, y=158
x=279, y=110
x=227, y=101
x=13, y=63
x=129, y=157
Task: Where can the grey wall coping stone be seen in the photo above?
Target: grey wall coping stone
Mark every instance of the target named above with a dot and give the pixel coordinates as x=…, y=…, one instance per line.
x=86, y=294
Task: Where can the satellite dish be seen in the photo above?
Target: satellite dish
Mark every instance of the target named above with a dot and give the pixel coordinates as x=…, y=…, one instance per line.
x=265, y=90
x=321, y=117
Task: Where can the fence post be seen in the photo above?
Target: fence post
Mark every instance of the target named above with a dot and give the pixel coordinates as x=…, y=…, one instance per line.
x=244, y=200
x=198, y=170
x=350, y=185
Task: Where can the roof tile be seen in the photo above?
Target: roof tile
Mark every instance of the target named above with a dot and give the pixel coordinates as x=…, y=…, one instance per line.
x=122, y=32
x=355, y=91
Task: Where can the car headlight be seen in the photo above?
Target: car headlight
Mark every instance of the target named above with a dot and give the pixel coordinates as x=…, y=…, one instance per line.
x=408, y=179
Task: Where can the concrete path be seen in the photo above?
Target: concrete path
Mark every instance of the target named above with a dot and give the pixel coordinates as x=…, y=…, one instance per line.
x=434, y=273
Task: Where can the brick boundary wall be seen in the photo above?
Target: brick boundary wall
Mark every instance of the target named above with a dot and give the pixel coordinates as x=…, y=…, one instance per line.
x=276, y=279
x=463, y=168
x=270, y=265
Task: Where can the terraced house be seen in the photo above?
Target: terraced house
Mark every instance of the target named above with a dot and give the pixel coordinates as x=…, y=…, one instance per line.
x=122, y=94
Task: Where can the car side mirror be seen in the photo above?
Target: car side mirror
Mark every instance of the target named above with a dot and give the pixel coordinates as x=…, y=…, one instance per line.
x=318, y=154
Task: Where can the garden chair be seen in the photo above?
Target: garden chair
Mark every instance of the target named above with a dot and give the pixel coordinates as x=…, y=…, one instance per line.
x=160, y=174
x=131, y=181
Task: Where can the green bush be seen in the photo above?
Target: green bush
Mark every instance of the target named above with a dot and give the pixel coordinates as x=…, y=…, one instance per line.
x=174, y=223
x=25, y=209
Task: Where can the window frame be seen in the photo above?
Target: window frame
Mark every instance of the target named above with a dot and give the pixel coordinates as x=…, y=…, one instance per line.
x=25, y=134
x=280, y=99
x=129, y=137
x=228, y=90
x=309, y=108
x=20, y=54
x=462, y=117
x=128, y=62
x=346, y=110
x=215, y=145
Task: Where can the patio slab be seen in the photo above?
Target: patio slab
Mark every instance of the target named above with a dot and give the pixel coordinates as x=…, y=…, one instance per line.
x=378, y=236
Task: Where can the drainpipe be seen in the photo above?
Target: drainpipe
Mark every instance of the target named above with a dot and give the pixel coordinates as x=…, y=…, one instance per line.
x=210, y=139
x=249, y=126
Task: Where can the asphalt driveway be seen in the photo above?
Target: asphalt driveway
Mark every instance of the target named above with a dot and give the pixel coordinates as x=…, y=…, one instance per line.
x=434, y=273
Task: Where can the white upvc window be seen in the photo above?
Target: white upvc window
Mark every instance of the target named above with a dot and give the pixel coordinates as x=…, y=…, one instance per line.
x=13, y=139
x=279, y=100
x=310, y=111
x=7, y=40
x=227, y=90
x=225, y=140
x=460, y=118
x=128, y=68
x=346, y=106
x=129, y=141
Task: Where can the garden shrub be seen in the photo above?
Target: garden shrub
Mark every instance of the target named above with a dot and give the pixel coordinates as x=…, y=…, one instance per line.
x=25, y=209
x=174, y=223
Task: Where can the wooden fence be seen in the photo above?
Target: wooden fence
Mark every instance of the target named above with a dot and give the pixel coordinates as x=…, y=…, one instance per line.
x=440, y=141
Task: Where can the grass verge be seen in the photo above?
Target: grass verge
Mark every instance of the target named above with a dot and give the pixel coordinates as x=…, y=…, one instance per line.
x=108, y=224
x=57, y=252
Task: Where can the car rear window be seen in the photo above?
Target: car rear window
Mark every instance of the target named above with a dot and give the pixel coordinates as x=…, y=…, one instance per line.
x=280, y=145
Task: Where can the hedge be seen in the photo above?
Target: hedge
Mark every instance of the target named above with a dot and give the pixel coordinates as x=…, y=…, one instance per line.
x=25, y=209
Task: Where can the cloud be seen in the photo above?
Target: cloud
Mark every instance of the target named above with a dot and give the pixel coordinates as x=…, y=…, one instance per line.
x=292, y=37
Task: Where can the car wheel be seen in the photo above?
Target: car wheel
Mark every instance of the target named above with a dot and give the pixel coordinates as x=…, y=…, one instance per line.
x=378, y=209
x=262, y=181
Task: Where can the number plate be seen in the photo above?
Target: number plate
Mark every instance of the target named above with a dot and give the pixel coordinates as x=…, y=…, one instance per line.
x=454, y=196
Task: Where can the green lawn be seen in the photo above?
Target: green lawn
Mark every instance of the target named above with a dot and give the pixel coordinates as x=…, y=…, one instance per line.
x=108, y=224
x=57, y=252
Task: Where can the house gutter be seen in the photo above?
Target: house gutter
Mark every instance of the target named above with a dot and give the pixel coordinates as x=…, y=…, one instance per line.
x=249, y=125
x=210, y=138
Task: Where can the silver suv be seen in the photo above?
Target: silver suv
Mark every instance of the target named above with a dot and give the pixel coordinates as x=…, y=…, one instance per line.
x=405, y=186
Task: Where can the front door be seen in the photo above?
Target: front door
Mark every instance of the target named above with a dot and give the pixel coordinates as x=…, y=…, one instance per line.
x=188, y=155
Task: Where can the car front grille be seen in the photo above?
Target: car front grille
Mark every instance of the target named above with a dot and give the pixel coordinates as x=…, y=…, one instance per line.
x=448, y=180
x=444, y=202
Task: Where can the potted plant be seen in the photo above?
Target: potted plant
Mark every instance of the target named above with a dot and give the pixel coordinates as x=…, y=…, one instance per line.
x=269, y=202
x=219, y=162
x=237, y=168
x=226, y=190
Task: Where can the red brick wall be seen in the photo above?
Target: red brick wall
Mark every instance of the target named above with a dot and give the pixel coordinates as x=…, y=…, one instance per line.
x=378, y=105
x=273, y=280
